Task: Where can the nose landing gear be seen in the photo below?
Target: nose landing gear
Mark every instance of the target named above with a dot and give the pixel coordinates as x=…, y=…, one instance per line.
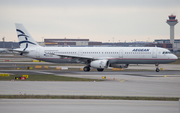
x=157, y=68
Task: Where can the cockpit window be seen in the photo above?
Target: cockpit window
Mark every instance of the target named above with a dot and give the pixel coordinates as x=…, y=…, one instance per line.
x=166, y=52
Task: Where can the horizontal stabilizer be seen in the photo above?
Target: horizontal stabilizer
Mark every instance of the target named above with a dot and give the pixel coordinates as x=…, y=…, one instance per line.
x=20, y=51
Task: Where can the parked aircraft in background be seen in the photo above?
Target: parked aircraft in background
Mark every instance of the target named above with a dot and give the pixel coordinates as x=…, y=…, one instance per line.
x=4, y=50
x=95, y=57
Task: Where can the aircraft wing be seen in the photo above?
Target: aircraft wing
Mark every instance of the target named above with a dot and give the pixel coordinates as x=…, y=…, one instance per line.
x=76, y=56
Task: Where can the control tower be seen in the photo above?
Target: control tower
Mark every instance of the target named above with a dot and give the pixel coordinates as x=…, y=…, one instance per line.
x=172, y=22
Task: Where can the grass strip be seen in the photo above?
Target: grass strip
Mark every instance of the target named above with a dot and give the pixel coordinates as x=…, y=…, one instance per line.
x=87, y=97
x=46, y=77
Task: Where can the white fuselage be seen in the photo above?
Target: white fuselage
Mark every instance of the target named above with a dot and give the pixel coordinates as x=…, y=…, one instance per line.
x=115, y=55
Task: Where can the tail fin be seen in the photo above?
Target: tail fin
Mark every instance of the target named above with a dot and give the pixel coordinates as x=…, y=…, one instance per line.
x=25, y=39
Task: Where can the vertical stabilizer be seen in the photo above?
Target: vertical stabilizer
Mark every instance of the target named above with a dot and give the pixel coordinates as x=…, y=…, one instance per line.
x=25, y=39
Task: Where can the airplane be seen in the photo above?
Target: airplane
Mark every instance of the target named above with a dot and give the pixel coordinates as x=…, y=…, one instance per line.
x=3, y=50
x=95, y=57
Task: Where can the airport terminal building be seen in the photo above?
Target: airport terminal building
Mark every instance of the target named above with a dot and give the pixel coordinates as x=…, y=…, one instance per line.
x=70, y=42
x=165, y=43
x=4, y=44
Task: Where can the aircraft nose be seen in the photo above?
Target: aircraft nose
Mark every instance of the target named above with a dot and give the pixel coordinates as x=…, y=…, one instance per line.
x=175, y=57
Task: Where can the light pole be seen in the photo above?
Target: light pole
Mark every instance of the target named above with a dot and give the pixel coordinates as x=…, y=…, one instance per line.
x=42, y=39
x=3, y=41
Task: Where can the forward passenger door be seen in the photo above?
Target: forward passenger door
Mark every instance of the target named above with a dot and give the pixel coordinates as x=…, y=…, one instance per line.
x=154, y=53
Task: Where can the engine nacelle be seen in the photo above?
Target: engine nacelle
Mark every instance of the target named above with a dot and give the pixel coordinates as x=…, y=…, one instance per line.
x=119, y=65
x=99, y=64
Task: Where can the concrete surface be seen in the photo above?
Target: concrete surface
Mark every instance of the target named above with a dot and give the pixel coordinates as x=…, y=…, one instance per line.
x=116, y=84
x=86, y=106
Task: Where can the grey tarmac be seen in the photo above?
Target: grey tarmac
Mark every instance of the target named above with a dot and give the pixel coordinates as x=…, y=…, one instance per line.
x=86, y=106
x=149, y=84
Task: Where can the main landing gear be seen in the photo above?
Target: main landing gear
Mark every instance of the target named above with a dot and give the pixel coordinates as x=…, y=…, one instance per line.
x=157, y=69
x=86, y=68
x=100, y=69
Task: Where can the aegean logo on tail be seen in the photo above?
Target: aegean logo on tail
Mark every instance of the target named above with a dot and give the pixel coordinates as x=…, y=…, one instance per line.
x=26, y=38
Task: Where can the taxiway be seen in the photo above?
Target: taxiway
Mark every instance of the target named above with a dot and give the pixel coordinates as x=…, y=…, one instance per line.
x=144, y=83
x=86, y=106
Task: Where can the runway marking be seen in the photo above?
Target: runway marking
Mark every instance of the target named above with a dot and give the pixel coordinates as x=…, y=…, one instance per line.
x=140, y=75
x=172, y=75
x=121, y=80
x=43, y=72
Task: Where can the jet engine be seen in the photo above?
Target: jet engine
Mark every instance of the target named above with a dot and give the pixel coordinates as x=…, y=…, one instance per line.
x=99, y=64
x=119, y=65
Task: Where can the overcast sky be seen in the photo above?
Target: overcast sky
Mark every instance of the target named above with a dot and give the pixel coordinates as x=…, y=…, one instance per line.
x=97, y=20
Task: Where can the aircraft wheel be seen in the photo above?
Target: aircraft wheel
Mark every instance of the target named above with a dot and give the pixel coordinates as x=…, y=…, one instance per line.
x=86, y=69
x=157, y=70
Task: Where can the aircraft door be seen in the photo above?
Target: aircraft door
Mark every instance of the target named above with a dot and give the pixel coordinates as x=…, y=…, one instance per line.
x=121, y=53
x=154, y=54
x=80, y=53
x=38, y=53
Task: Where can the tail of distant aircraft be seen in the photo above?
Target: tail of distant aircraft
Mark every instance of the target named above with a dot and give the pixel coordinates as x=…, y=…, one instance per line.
x=25, y=39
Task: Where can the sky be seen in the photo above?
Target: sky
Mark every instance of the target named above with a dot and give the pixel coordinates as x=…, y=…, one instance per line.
x=97, y=20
